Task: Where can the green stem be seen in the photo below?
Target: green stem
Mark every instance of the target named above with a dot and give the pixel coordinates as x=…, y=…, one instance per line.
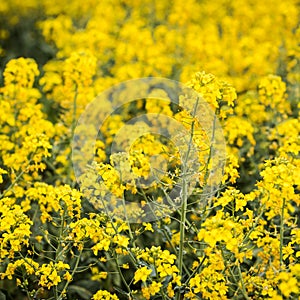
x=72, y=274
x=164, y=232
x=12, y=184
x=128, y=223
x=281, y=233
x=74, y=111
x=184, y=199
x=242, y=288
x=182, y=226
x=206, y=175
x=25, y=286
x=60, y=249
x=18, y=176
x=197, y=269
x=73, y=125
x=254, y=225
x=157, y=279
x=242, y=283
x=121, y=274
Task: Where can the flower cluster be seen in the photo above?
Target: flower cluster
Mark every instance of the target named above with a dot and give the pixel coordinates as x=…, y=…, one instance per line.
x=224, y=233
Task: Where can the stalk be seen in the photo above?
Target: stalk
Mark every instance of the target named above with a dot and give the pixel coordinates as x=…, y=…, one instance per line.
x=72, y=274
x=184, y=199
x=281, y=233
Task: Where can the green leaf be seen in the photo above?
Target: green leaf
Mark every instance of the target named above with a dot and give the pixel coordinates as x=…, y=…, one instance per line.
x=2, y=296
x=82, y=292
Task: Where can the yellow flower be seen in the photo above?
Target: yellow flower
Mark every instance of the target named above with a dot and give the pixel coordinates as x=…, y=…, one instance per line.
x=98, y=275
x=142, y=274
x=54, y=277
x=125, y=266
x=121, y=240
x=170, y=290
x=288, y=284
x=102, y=245
x=154, y=287
x=68, y=276
x=104, y=295
x=21, y=71
x=148, y=227
x=166, y=269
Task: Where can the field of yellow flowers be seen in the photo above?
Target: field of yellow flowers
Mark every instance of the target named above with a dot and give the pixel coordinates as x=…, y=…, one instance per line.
x=149, y=149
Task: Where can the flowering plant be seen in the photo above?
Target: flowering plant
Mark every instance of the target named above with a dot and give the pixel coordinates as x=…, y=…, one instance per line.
x=231, y=228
